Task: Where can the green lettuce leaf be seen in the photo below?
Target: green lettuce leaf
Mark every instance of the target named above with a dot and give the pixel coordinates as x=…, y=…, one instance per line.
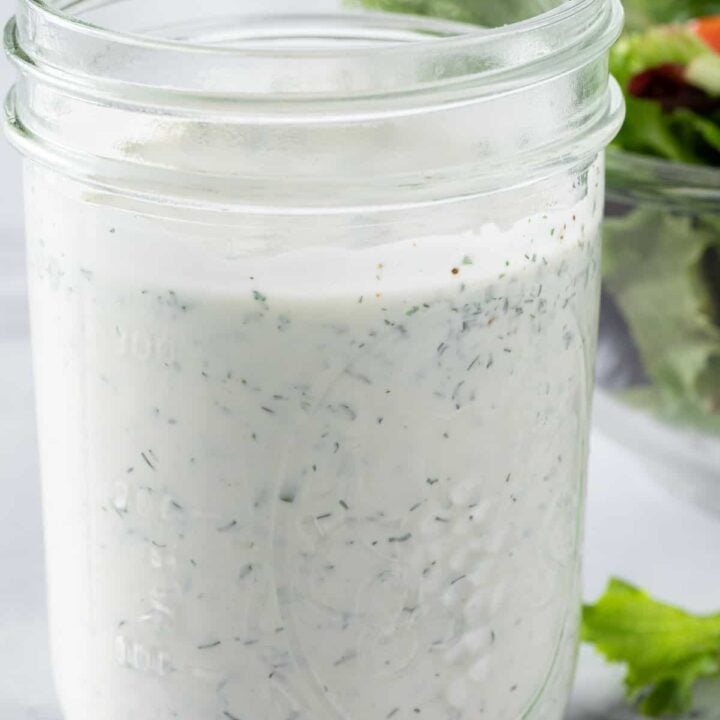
x=634, y=53
x=650, y=131
x=681, y=135
x=697, y=134
x=659, y=269
x=666, y=649
x=704, y=72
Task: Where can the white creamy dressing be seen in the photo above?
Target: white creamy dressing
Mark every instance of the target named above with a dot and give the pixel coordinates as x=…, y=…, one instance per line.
x=330, y=482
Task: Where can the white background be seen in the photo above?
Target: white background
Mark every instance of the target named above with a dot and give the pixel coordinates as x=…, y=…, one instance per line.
x=634, y=529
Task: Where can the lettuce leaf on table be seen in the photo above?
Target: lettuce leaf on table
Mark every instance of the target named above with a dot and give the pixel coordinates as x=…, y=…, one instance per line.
x=666, y=649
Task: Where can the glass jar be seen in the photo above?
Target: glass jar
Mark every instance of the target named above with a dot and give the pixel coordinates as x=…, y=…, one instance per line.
x=314, y=301
x=659, y=385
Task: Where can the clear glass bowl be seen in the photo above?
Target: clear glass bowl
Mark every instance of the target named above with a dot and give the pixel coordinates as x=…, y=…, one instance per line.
x=659, y=358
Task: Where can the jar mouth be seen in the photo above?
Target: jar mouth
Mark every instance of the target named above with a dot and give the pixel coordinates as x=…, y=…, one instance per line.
x=349, y=109
x=92, y=44
x=439, y=30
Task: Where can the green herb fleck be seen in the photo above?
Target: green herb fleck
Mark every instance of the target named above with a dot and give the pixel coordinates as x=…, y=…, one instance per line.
x=147, y=461
x=208, y=646
x=229, y=526
x=400, y=538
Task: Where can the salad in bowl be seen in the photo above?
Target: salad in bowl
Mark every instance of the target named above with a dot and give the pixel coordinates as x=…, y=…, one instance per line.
x=659, y=359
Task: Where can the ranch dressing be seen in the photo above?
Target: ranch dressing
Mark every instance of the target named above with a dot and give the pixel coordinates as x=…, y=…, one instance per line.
x=322, y=481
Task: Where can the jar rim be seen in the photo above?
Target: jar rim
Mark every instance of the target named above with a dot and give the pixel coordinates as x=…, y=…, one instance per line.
x=44, y=37
x=440, y=121
x=561, y=13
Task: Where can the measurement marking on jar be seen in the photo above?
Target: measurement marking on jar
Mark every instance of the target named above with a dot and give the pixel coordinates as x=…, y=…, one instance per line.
x=141, y=658
x=145, y=346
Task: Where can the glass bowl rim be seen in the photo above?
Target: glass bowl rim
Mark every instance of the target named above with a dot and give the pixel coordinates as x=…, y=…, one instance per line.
x=646, y=178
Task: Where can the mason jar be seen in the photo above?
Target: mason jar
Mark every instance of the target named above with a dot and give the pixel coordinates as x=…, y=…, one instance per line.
x=314, y=298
